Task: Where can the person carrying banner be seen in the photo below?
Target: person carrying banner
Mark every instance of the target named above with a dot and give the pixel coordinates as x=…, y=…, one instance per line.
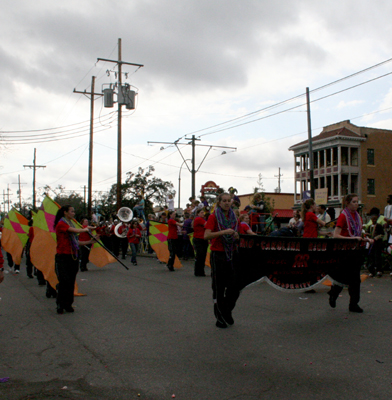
x=244, y=228
x=222, y=230
x=67, y=260
x=199, y=243
x=311, y=221
x=349, y=226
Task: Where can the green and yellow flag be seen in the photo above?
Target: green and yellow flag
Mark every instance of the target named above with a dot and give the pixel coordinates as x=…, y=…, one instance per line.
x=158, y=242
x=14, y=236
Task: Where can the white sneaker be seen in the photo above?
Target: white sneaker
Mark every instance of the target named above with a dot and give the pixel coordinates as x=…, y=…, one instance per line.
x=17, y=272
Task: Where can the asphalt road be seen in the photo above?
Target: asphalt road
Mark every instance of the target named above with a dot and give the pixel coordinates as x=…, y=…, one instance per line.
x=148, y=333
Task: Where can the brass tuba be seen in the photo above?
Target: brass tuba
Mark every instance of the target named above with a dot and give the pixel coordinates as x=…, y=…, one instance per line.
x=124, y=214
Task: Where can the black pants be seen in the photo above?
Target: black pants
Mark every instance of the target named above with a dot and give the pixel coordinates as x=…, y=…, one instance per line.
x=29, y=265
x=84, y=254
x=66, y=270
x=173, y=249
x=200, y=246
x=354, y=289
x=225, y=282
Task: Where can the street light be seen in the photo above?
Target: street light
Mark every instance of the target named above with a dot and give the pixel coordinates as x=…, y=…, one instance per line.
x=179, y=182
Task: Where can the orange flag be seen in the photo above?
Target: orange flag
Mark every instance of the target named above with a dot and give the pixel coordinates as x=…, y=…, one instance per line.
x=158, y=242
x=14, y=236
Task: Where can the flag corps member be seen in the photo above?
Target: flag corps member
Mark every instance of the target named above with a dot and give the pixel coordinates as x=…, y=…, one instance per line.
x=67, y=256
x=222, y=230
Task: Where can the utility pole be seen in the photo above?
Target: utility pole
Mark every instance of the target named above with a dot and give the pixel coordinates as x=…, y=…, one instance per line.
x=278, y=176
x=19, y=192
x=90, y=155
x=120, y=63
x=192, y=142
x=311, y=166
x=8, y=198
x=34, y=167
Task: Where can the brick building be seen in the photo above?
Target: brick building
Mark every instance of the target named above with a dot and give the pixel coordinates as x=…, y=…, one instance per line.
x=347, y=159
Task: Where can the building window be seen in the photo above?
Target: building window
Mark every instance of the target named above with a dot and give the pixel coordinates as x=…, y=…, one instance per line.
x=344, y=156
x=371, y=188
x=370, y=156
x=354, y=156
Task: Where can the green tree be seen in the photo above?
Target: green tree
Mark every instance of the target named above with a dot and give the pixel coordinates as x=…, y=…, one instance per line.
x=142, y=183
x=63, y=197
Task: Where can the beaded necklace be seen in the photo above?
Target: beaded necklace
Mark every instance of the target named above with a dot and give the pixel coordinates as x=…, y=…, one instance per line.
x=73, y=238
x=229, y=222
x=354, y=225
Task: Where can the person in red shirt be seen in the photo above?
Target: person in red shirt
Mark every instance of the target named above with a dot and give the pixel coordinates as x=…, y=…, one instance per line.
x=349, y=226
x=67, y=256
x=244, y=228
x=222, y=230
x=133, y=237
x=311, y=222
x=172, y=239
x=200, y=245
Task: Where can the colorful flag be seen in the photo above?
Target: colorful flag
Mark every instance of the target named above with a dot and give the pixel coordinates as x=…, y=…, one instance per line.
x=45, y=238
x=14, y=237
x=158, y=242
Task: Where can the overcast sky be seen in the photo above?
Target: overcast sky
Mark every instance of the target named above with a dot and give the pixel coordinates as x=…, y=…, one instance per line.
x=205, y=63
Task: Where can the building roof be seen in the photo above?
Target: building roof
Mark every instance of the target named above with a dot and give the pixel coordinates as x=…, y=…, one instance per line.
x=335, y=133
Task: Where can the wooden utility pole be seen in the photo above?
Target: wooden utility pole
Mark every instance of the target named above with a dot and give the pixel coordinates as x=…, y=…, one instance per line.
x=193, y=171
x=34, y=167
x=119, y=62
x=310, y=146
x=90, y=154
x=19, y=192
x=278, y=176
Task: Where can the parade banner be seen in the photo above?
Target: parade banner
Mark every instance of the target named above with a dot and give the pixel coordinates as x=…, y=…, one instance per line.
x=14, y=236
x=298, y=264
x=158, y=241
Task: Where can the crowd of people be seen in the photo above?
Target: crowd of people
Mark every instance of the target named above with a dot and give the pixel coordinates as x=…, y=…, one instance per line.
x=202, y=224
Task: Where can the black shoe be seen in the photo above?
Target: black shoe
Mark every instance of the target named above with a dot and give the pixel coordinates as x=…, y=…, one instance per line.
x=123, y=257
x=310, y=291
x=31, y=276
x=220, y=324
x=41, y=283
x=60, y=310
x=69, y=309
x=170, y=268
x=83, y=269
x=227, y=318
x=200, y=274
x=355, y=308
x=332, y=300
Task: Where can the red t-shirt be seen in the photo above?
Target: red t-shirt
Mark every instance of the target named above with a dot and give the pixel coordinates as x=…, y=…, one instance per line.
x=63, y=239
x=131, y=235
x=198, y=227
x=212, y=225
x=84, y=236
x=243, y=228
x=342, y=223
x=310, y=225
x=172, y=229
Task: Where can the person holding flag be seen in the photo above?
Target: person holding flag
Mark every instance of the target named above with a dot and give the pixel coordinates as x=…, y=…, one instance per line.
x=67, y=256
